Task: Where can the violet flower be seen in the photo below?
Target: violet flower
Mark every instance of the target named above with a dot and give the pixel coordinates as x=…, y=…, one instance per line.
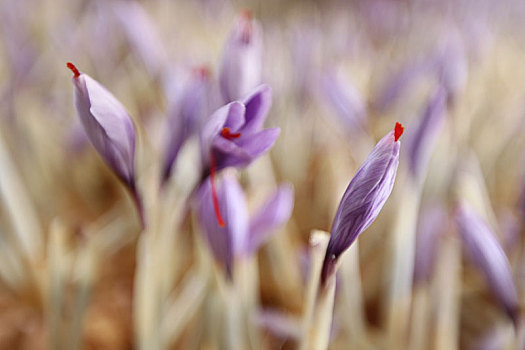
x=108, y=126
x=364, y=197
x=488, y=255
x=238, y=235
x=186, y=114
x=421, y=143
x=233, y=136
x=241, y=66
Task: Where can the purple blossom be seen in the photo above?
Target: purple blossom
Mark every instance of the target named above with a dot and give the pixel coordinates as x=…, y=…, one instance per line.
x=239, y=236
x=233, y=133
x=186, y=114
x=421, y=144
x=107, y=125
x=241, y=66
x=364, y=197
x=488, y=255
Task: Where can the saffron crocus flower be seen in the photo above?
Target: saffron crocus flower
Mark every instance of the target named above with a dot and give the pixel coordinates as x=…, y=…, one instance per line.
x=240, y=235
x=364, y=197
x=241, y=66
x=488, y=255
x=421, y=144
x=186, y=114
x=109, y=128
x=233, y=136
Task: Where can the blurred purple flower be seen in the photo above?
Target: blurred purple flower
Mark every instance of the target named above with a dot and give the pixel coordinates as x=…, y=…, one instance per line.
x=239, y=236
x=487, y=253
x=346, y=102
x=186, y=114
x=364, y=198
x=421, y=144
x=233, y=136
x=142, y=35
x=431, y=225
x=241, y=66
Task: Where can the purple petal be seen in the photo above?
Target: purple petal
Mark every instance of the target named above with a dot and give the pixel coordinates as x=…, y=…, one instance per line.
x=431, y=224
x=421, y=144
x=241, y=65
x=142, y=35
x=244, y=151
x=107, y=124
x=214, y=125
x=273, y=214
x=225, y=242
x=488, y=255
x=257, y=105
x=346, y=102
x=363, y=199
x=186, y=114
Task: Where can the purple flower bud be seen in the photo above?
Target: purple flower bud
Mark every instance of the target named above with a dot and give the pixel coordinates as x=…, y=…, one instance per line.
x=233, y=133
x=421, y=144
x=364, y=197
x=346, y=102
x=273, y=214
x=186, y=114
x=107, y=125
x=241, y=65
x=487, y=253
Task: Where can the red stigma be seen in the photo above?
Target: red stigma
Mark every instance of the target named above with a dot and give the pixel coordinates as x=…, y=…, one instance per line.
x=246, y=14
x=214, y=197
x=74, y=69
x=225, y=132
x=398, y=131
x=202, y=72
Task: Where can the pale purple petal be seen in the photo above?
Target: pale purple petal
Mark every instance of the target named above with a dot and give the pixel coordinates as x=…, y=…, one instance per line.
x=107, y=124
x=142, y=35
x=432, y=224
x=273, y=214
x=257, y=104
x=241, y=65
x=363, y=199
x=346, y=102
x=488, y=255
x=225, y=242
x=214, y=125
x=421, y=143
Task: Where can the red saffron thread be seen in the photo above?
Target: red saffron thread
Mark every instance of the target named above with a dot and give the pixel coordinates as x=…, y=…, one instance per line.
x=398, y=131
x=214, y=197
x=246, y=34
x=74, y=69
x=226, y=133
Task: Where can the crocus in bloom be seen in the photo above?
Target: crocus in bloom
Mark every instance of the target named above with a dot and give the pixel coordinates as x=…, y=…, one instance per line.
x=233, y=136
x=364, y=197
x=489, y=256
x=186, y=113
x=240, y=70
x=239, y=235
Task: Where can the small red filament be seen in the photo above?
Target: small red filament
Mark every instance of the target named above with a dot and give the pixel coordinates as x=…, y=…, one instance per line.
x=202, y=72
x=225, y=132
x=74, y=69
x=214, y=197
x=398, y=131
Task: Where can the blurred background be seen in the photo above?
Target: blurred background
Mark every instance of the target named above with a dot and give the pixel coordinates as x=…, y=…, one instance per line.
x=341, y=73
